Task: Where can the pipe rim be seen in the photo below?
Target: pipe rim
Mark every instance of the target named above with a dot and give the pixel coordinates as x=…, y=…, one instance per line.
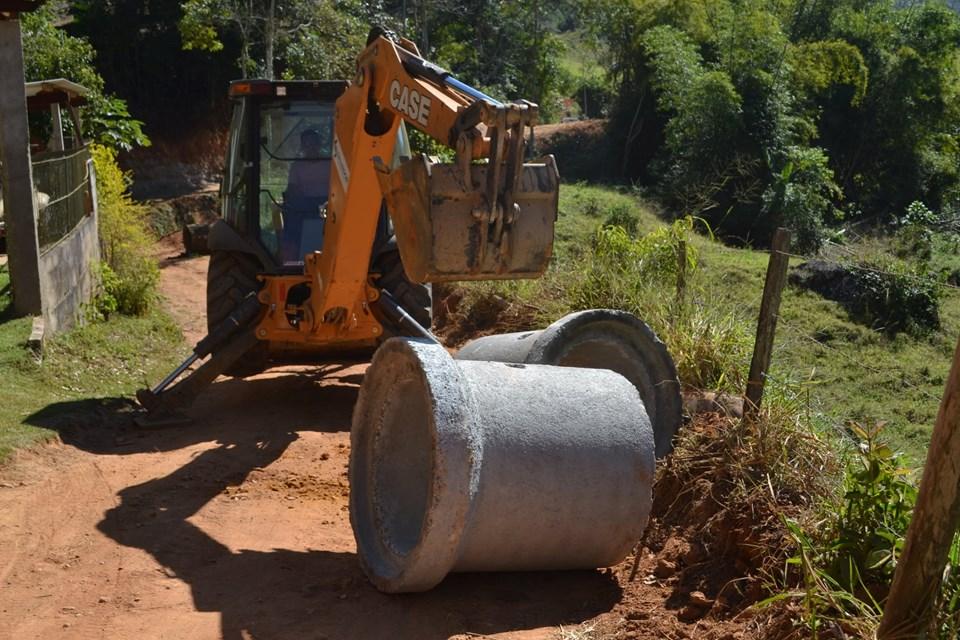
x=453, y=470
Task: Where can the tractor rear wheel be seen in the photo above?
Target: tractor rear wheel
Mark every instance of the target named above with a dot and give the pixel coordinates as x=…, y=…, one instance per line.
x=414, y=298
x=231, y=276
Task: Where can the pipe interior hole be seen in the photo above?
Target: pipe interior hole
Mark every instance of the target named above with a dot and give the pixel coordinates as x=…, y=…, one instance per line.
x=403, y=467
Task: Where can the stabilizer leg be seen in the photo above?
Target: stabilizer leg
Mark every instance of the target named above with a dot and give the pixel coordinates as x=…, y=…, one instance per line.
x=226, y=345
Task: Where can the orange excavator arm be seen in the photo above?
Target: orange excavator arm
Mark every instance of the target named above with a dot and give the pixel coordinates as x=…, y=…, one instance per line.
x=488, y=215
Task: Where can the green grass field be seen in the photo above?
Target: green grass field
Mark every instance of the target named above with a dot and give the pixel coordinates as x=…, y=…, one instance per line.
x=103, y=359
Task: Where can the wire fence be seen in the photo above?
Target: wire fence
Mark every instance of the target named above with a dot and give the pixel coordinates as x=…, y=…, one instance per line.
x=866, y=366
x=62, y=181
x=855, y=264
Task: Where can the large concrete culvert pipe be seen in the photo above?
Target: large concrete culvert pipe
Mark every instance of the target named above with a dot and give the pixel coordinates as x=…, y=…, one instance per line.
x=599, y=339
x=488, y=466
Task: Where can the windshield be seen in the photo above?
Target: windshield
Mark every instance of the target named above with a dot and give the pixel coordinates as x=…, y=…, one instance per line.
x=296, y=141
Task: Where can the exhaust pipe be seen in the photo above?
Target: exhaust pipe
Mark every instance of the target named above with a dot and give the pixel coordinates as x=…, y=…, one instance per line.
x=599, y=339
x=490, y=466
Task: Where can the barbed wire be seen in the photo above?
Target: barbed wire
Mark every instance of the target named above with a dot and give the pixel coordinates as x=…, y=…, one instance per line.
x=858, y=267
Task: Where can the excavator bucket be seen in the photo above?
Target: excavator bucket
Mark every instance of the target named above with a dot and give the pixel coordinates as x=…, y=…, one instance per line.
x=445, y=229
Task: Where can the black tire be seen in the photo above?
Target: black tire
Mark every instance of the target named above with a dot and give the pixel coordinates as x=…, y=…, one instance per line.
x=231, y=276
x=414, y=298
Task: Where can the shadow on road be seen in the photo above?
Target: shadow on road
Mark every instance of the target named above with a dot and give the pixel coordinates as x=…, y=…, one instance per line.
x=286, y=594
x=229, y=410
x=319, y=594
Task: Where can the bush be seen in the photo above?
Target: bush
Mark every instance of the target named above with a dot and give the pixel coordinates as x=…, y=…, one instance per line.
x=623, y=216
x=129, y=274
x=848, y=559
x=801, y=196
x=651, y=258
x=914, y=238
x=895, y=297
x=877, y=502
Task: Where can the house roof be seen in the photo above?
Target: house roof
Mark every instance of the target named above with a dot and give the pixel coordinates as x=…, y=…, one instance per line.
x=46, y=92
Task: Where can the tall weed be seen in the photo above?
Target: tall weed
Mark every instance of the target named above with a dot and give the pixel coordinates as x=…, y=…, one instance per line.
x=618, y=270
x=947, y=621
x=129, y=274
x=848, y=560
x=709, y=345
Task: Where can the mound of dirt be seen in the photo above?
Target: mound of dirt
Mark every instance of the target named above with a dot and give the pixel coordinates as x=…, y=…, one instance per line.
x=546, y=134
x=582, y=149
x=711, y=549
x=828, y=279
x=887, y=301
x=456, y=323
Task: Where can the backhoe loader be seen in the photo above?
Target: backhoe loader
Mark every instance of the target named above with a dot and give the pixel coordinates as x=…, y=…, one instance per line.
x=330, y=227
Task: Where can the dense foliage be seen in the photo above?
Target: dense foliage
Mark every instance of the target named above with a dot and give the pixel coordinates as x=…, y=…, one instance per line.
x=298, y=38
x=749, y=113
x=757, y=113
x=140, y=55
x=129, y=273
x=506, y=48
x=49, y=53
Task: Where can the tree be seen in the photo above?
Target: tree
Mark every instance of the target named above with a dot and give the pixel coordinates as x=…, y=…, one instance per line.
x=755, y=112
x=49, y=52
x=299, y=36
x=140, y=57
x=506, y=48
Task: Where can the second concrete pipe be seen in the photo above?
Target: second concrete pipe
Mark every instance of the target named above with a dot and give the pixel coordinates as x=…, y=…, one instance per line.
x=599, y=339
x=489, y=466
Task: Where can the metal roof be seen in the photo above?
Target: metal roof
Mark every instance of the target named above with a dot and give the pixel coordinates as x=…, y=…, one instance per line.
x=45, y=92
x=59, y=84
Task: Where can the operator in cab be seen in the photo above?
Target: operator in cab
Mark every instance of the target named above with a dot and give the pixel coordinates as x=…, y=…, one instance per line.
x=307, y=190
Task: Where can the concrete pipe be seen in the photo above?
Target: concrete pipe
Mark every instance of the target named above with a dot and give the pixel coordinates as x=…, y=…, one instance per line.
x=489, y=466
x=600, y=339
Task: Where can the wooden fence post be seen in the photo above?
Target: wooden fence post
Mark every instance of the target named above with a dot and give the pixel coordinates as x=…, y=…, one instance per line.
x=681, y=275
x=767, y=322
x=916, y=580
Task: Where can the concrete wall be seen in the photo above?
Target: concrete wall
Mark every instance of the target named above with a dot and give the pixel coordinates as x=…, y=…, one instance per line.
x=68, y=277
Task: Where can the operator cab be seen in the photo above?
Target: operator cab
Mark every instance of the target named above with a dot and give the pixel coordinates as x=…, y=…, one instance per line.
x=279, y=156
x=278, y=164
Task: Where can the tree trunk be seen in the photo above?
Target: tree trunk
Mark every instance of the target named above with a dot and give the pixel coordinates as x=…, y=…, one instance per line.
x=269, y=38
x=916, y=582
x=424, y=28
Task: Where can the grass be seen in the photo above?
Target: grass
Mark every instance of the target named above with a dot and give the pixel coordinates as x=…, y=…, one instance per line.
x=836, y=369
x=102, y=359
x=844, y=370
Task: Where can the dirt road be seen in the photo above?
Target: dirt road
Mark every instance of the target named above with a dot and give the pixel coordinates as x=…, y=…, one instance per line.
x=233, y=527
